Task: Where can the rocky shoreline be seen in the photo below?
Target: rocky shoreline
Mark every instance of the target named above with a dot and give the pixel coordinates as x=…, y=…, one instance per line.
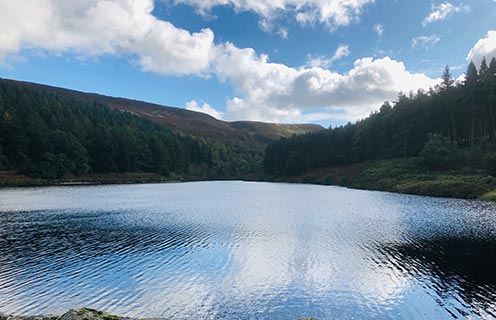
x=80, y=314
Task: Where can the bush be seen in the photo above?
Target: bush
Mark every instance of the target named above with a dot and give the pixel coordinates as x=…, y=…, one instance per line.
x=437, y=153
x=490, y=164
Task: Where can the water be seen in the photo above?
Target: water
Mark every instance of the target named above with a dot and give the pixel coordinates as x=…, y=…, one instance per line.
x=235, y=250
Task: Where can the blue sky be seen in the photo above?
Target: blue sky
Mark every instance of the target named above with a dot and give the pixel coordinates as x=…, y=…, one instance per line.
x=285, y=60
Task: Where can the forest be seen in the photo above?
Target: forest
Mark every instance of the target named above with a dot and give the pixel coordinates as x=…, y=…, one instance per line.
x=450, y=126
x=50, y=136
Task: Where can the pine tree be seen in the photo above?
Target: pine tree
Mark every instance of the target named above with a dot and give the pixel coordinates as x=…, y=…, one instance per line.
x=483, y=70
x=448, y=80
x=471, y=75
x=491, y=84
x=446, y=87
x=471, y=82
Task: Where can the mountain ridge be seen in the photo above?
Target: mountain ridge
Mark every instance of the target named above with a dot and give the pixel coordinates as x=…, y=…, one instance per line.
x=182, y=120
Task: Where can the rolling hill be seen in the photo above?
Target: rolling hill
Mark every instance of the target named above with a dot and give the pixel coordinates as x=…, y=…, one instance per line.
x=182, y=120
x=50, y=132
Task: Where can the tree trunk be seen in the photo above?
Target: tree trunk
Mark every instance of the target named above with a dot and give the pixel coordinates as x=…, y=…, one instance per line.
x=472, y=129
x=453, y=126
x=493, y=126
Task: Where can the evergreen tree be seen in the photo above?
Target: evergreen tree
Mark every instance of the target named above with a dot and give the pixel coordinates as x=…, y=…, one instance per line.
x=471, y=84
x=418, y=125
x=448, y=80
x=484, y=70
x=446, y=86
x=51, y=136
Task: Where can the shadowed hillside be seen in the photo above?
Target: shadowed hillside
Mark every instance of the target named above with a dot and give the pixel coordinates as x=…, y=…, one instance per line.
x=53, y=133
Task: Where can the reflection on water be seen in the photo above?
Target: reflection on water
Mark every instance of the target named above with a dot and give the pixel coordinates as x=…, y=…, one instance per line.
x=233, y=250
x=458, y=269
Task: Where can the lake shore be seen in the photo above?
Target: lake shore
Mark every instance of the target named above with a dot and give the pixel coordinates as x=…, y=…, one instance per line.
x=80, y=314
x=9, y=179
x=402, y=176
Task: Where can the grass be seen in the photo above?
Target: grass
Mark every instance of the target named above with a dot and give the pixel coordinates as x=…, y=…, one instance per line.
x=489, y=196
x=407, y=176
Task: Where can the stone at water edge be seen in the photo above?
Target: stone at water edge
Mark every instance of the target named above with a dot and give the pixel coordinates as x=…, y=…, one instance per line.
x=80, y=314
x=89, y=314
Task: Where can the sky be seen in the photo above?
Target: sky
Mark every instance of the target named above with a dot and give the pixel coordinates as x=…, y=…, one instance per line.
x=288, y=61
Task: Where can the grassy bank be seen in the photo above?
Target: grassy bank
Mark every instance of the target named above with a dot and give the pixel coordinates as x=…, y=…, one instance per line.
x=12, y=179
x=406, y=176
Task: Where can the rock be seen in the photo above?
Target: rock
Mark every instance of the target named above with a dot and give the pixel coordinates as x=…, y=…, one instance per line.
x=81, y=314
x=10, y=317
x=89, y=314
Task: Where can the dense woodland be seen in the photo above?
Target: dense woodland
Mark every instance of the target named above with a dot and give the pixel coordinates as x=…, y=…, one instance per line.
x=453, y=124
x=50, y=136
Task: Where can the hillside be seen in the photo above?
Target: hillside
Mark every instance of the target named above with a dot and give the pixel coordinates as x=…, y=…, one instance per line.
x=49, y=133
x=182, y=120
x=443, y=142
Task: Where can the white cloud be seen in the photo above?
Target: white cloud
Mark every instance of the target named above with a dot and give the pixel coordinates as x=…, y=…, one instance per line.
x=443, y=11
x=379, y=29
x=103, y=27
x=283, y=33
x=263, y=90
x=333, y=13
x=425, y=42
x=484, y=48
x=205, y=108
x=341, y=52
x=323, y=62
x=276, y=92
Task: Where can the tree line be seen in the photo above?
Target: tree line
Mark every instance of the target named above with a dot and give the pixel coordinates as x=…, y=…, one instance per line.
x=458, y=119
x=50, y=136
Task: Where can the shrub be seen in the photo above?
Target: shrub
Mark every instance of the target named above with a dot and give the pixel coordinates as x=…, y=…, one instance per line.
x=438, y=153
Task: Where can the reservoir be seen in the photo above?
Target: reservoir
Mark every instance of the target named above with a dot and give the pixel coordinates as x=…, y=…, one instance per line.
x=245, y=250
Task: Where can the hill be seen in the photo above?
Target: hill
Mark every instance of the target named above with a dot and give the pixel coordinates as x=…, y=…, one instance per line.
x=182, y=120
x=443, y=140
x=54, y=133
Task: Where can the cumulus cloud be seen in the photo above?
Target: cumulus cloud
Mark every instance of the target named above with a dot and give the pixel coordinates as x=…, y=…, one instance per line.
x=425, y=42
x=263, y=90
x=323, y=62
x=103, y=27
x=333, y=13
x=443, y=11
x=276, y=92
x=204, y=108
x=485, y=47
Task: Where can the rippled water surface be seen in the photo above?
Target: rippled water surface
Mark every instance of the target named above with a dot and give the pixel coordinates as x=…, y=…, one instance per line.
x=235, y=250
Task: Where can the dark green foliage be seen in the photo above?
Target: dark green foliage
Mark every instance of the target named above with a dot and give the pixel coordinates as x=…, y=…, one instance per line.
x=3, y=160
x=457, y=121
x=490, y=163
x=437, y=152
x=63, y=154
x=50, y=136
x=448, y=81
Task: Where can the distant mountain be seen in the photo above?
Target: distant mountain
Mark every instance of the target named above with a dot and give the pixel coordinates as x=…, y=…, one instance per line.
x=185, y=121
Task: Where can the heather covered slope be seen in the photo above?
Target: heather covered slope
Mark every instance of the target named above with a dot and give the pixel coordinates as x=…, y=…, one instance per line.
x=182, y=120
